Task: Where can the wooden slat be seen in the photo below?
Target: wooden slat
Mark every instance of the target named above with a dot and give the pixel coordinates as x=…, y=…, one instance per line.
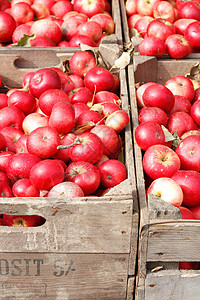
x=176, y=241
x=63, y=276
x=173, y=285
x=71, y=226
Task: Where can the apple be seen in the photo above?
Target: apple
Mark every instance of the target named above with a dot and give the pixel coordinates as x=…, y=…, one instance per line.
x=188, y=152
x=5, y=190
x=89, y=7
x=20, y=145
x=7, y=27
x=40, y=11
x=131, y=7
x=49, y=98
x=42, y=42
x=62, y=117
x=23, y=100
x=24, y=188
x=107, y=96
x=11, y=136
x=142, y=24
x=145, y=7
x=112, y=172
x=190, y=10
x=178, y=46
x=20, y=165
x=152, y=46
x=19, y=32
x=152, y=114
x=180, y=122
x=4, y=5
x=3, y=100
x=46, y=28
x=89, y=117
x=140, y=91
x=190, y=132
x=192, y=33
x=182, y=86
x=22, y=12
x=117, y=120
x=66, y=82
x=33, y=121
x=43, y=142
x=77, y=80
x=79, y=108
x=167, y=189
x=47, y=3
x=21, y=221
x=60, y=8
x=181, y=104
x=160, y=161
x=42, y=80
x=160, y=96
x=69, y=26
x=91, y=29
x=46, y=173
x=99, y=79
x=85, y=175
x=186, y=213
x=81, y=62
x=68, y=189
x=189, y=265
x=66, y=140
x=105, y=21
x=161, y=29
x=181, y=25
x=81, y=94
x=148, y=134
x=4, y=159
x=87, y=147
x=189, y=181
x=196, y=211
x=77, y=40
x=11, y=117
x=132, y=20
x=195, y=112
x=164, y=10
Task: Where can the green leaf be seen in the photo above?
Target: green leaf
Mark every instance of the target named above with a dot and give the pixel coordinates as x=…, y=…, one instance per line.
x=25, y=40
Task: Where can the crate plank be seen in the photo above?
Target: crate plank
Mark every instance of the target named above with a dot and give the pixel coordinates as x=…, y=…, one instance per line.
x=59, y=276
x=173, y=285
x=71, y=226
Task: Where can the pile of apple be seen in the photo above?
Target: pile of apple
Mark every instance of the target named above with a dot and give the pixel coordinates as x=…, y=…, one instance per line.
x=61, y=133
x=169, y=136
x=166, y=27
x=51, y=23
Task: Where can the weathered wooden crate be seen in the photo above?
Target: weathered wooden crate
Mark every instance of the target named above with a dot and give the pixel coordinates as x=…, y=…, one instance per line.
x=164, y=238
x=87, y=247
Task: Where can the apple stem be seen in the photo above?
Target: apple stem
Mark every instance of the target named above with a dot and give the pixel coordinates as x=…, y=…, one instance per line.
x=76, y=142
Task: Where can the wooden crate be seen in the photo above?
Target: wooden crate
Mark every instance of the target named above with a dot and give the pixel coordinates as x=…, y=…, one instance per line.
x=87, y=247
x=164, y=238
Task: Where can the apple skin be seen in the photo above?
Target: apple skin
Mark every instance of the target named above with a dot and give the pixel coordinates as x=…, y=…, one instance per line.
x=167, y=189
x=142, y=24
x=67, y=188
x=105, y=21
x=7, y=27
x=182, y=86
x=161, y=29
x=91, y=29
x=47, y=173
x=160, y=96
x=130, y=6
x=43, y=142
x=85, y=175
x=160, y=161
x=189, y=181
x=152, y=114
x=178, y=46
x=21, y=221
x=189, y=154
x=33, y=121
x=195, y=112
x=148, y=134
x=152, y=46
x=164, y=10
x=181, y=104
x=189, y=265
x=89, y=7
x=186, y=213
x=190, y=10
x=81, y=62
x=24, y=188
x=180, y=122
x=196, y=211
x=145, y=7
x=140, y=92
x=181, y=25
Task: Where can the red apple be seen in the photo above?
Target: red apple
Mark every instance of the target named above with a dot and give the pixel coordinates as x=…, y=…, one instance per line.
x=160, y=28
x=167, y=189
x=22, y=12
x=33, y=121
x=178, y=46
x=152, y=114
x=160, y=161
x=21, y=221
x=180, y=122
x=164, y=10
x=89, y=7
x=181, y=104
x=186, y=213
x=105, y=21
x=81, y=62
x=68, y=189
x=24, y=188
x=152, y=46
x=182, y=86
x=142, y=24
x=189, y=182
x=91, y=29
x=189, y=154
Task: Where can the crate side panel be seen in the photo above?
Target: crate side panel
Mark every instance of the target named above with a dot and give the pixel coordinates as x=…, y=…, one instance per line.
x=175, y=241
x=56, y=276
x=173, y=285
x=74, y=226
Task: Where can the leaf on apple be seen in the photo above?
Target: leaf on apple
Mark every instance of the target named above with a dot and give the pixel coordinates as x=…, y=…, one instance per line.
x=168, y=135
x=25, y=41
x=194, y=72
